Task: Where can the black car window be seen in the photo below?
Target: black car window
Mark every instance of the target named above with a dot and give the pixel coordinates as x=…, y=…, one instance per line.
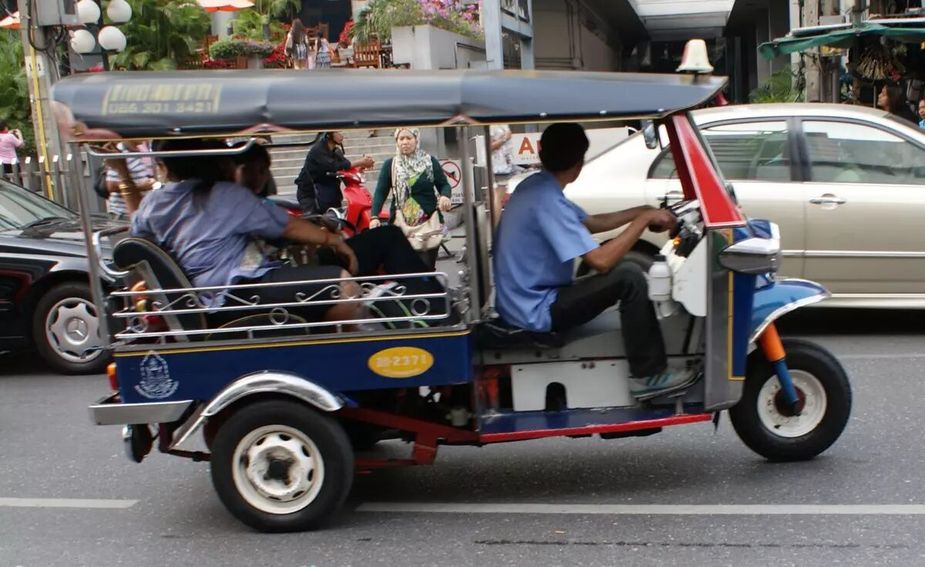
x=20, y=207
x=757, y=151
x=845, y=152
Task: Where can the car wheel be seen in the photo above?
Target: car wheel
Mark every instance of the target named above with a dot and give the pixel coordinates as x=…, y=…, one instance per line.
x=66, y=330
x=280, y=466
x=765, y=423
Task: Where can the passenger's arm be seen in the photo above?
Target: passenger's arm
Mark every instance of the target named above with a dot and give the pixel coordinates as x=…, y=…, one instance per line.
x=305, y=232
x=603, y=258
x=612, y=221
x=383, y=186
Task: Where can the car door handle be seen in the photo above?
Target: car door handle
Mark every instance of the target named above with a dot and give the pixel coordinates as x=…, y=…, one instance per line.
x=828, y=200
x=671, y=195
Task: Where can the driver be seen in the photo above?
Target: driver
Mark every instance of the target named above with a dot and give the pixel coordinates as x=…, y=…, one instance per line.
x=318, y=184
x=540, y=236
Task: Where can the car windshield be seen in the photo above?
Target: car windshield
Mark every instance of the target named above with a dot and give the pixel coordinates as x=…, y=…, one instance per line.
x=20, y=208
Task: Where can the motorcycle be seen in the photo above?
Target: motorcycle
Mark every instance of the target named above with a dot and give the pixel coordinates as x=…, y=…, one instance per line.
x=352, y=217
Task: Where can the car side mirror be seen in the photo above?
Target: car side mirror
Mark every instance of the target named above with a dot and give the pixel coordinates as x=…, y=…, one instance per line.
x=649, y=134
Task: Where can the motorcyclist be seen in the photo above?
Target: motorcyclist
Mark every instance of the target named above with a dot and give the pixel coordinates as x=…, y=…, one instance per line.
x=318, y=188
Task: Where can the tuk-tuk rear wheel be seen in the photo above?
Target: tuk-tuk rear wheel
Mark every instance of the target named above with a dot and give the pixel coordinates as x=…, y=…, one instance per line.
x=280, y=466
x=764, y=423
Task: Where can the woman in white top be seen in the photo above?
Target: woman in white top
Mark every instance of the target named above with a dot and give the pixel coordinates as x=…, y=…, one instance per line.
x=9, y=141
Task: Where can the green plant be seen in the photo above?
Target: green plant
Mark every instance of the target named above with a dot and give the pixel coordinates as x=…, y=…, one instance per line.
x=231, y=48
x=778, y=88
x=14, y=90
x=160, y=34
x=251, y=24
x=380, y=16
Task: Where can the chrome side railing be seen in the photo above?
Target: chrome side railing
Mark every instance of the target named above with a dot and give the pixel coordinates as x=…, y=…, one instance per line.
x=388, y=293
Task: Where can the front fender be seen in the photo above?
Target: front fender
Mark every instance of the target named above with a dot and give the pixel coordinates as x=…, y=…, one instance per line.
x=265, y=382
x=780, y=297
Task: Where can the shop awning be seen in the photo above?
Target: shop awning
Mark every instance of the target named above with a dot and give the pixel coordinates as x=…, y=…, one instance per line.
x=842, y=37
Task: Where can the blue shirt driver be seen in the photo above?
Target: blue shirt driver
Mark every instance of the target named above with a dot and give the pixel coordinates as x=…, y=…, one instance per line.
x=535, y=249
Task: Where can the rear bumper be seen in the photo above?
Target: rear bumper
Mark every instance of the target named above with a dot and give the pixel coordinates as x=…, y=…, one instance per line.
x=110, y=411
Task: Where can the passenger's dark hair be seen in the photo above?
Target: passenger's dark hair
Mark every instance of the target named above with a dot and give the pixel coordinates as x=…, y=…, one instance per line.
x=563, y=146
x=897, y=100
x=257, y=152
x=207, y=170
x=3, y=125
x=298, y=31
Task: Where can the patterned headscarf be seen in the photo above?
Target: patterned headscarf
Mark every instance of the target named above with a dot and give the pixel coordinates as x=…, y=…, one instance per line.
x=410, y=168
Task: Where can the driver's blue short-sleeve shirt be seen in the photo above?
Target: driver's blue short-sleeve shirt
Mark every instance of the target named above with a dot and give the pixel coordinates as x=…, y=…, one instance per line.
x=540, y=235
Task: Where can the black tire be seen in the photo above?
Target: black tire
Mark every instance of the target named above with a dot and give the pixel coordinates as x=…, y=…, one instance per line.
x=73, y=348
x=802, y=357
x=333, y=452
x=642, y=259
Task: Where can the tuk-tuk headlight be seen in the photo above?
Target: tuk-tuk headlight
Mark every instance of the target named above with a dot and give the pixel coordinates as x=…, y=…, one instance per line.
x=755, y=255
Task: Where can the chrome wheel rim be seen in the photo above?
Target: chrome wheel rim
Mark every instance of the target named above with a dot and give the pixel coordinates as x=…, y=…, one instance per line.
x=72, y=328
x=277, y=469
x=814, y=403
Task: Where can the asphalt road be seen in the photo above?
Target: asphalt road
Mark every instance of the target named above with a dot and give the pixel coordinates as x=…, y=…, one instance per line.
x=548, y=502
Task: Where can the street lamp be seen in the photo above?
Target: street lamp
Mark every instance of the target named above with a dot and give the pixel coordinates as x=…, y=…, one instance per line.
x=109, y=38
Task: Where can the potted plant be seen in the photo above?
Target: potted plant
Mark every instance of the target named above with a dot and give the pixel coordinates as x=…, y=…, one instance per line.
x=246, y=52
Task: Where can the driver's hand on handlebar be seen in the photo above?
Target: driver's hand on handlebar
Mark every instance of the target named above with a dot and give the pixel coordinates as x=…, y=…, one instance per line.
x=661, y=220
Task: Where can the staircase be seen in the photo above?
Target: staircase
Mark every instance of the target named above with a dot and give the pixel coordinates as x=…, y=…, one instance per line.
x=287, y=162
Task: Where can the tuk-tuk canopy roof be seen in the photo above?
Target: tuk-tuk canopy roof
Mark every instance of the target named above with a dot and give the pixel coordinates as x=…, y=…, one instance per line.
x=101, y=106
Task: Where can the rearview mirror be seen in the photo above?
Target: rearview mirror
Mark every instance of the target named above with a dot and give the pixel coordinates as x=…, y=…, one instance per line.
x=649, y=134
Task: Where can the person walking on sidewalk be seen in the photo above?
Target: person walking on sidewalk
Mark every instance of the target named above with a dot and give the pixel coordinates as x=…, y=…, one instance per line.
x=9, y=141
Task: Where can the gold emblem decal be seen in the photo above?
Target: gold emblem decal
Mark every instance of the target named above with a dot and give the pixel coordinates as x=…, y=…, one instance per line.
x=401, y=362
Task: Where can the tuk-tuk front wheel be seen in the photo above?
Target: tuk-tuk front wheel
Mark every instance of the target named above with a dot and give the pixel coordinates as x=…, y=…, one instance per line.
x=279, y=466
x=766, y=423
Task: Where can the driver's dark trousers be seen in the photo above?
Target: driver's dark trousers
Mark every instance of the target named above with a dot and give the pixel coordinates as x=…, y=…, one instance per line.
x=588, y=297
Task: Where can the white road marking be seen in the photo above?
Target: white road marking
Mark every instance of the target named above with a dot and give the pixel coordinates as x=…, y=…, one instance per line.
x=855, y=356
x=86, y=503
x=651, y=509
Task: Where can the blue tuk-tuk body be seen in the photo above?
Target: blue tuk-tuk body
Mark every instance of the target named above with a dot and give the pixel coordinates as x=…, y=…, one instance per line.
x=284, y=408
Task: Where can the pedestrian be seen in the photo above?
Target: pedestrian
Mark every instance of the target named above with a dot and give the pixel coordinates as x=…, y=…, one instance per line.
x=922, y=113
x=502, y=163
x=419, y=191
x=323, y=53
x=9, y=141
x=128, y=179
x=297, y=44
x=892, y=100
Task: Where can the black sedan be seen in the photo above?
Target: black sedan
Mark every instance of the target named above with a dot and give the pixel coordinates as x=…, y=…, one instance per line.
x=45, y=300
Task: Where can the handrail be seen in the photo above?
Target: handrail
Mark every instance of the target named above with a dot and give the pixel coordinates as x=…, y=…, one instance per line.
x=97, y=241
x=235, y=151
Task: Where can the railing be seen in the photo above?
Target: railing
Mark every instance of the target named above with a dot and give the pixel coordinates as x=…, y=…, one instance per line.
x=141, y=310
x=60, y=183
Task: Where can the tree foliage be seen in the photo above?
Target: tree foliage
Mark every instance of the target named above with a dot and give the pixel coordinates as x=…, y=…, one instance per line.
x=779, y=87
x=162, y=33
x=14, y=90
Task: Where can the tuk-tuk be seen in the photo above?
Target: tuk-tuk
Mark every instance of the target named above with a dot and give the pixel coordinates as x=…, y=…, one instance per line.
x=285, y=407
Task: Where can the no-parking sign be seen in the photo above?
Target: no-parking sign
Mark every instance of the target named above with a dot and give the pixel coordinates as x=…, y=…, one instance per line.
x=452, y=168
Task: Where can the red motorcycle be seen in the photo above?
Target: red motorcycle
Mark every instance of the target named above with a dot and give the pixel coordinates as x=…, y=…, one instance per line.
x=355, y=213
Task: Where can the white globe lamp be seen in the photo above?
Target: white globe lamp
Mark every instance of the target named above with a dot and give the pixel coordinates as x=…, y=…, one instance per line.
x=82, y=41
x=112, y=39
x=119, y=11
x=88, y=12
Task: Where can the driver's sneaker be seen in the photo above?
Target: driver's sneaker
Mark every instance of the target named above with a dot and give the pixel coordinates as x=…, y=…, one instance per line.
x=672, y=380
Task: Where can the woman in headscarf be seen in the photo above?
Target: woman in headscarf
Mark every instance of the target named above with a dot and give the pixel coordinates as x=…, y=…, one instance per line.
x=417, y=185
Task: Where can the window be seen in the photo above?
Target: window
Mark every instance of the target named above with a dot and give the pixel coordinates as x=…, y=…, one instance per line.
x=842, y=152
x=756, y=151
